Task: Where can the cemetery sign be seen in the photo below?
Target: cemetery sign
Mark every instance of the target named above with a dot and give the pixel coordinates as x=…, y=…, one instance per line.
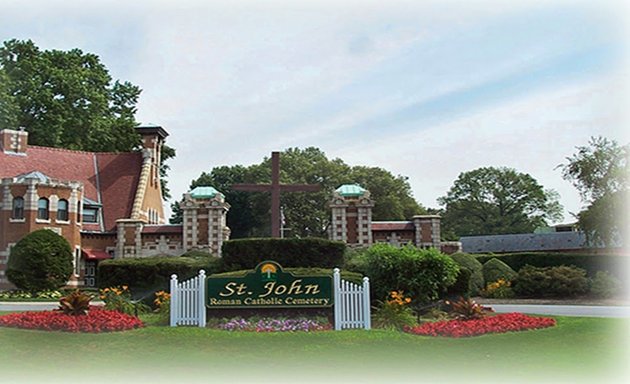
x=268, y=286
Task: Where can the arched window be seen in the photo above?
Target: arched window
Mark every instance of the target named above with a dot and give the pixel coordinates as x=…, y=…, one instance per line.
x=18, y=208
x=42, y=209
x=62, y=210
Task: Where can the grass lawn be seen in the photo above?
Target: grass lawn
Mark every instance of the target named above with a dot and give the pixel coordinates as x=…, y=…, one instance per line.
x=576, y=350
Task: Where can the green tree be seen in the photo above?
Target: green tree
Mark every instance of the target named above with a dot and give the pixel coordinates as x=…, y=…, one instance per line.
x=491, y=201
x=306, y=213
x=67, y=99
x=600, y=173
x=41, y=260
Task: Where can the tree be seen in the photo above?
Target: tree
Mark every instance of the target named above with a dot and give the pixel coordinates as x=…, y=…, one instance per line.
x=600, y=173
x=491, y=201
x=41, y=260
x=67, y=99
x=306, y=213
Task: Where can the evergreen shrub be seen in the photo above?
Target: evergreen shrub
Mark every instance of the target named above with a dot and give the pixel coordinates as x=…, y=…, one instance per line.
x=464, y=260
x=461, y=286
x=494, y=269
x=40, y=261
x=561, y=281
x=422, y=274
x=144, y=276
x=308, y=252
x=605, y=285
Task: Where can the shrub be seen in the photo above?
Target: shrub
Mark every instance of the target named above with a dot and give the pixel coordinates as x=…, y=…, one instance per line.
x=394, y=313
x=495, y=270
x=41, y=260
x=307, y=252
x=147, y=275
x=604, y=285
x=119, y=299
x=500, y=289
x=469, y=262
x=561, y=281
x=619, y=265
x=76, y=303
x=461, y=286
x=423, y=273
x=467, y=309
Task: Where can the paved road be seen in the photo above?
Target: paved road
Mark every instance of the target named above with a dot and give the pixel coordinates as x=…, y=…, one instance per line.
x=564, y=310
x=32, y=306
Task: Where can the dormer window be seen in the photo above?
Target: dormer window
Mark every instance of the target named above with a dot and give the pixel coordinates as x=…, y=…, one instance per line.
x=90, y=212
x=18, y=208
x=42, y=209
x=90, y=215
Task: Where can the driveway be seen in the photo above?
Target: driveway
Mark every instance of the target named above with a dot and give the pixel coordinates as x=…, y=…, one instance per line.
x=564, y=310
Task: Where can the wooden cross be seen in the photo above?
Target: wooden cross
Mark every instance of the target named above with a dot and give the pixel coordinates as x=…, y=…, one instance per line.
x=276, y=188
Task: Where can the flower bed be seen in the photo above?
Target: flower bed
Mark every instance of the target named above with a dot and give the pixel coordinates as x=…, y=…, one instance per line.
x=96, y=321
x=508, y=322
x=273, y=325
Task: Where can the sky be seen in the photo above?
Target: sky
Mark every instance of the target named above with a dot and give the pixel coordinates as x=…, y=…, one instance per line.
x=424, y=89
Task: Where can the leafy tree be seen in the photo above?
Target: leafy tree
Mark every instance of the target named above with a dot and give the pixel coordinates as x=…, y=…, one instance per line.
x=41, y=260
x=491, y=201
x=600, y=173
x=306, y=213
x=67, y=99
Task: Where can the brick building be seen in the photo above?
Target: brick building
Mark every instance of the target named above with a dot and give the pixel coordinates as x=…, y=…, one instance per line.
x=106, y=205
x=351, y=208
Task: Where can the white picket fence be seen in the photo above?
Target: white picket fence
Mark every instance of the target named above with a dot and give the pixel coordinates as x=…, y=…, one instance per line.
x=351, y=302
x=188, y=301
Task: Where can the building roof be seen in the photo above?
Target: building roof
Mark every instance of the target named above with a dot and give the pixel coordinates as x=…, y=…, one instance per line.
x=110, y=179
x=350, y=190
x=555, y=241
x=393, y=226
x=204, y=192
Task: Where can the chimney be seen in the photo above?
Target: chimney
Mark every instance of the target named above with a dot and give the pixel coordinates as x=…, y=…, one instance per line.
x=152, y=139
x=13, y=142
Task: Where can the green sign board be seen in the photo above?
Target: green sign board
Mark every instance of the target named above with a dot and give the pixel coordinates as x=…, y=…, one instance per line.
x=268, y=286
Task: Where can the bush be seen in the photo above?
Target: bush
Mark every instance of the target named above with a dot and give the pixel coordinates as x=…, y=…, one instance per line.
x=424, y=274
x=147, y=275
x=619, y=265
x=394, y=313
x=469, y=262
x=461, y=286
x=353, y=277
x=308, y=252
x=561, y=281
x=41, y=260
x=500, y=289
x=604, y=285
x=495, y=270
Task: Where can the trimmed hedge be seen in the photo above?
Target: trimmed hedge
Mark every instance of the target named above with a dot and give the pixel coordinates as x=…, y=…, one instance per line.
x=618, y=265
x=147, y=275
x=40, y=261
x=560, y=281
x=461, y=286
x=465, y=260
x=353, y=277
x=290, y=253
x=494, y=269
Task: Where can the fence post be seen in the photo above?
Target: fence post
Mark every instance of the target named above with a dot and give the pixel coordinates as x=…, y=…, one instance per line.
x=201, y=299
x=367, y=320
x=337, y=298
x=174, y=304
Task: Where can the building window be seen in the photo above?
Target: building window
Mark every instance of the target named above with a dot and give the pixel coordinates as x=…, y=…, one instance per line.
x=18, y=208
x=90, y=215
x=42, y=209
x=62, y=210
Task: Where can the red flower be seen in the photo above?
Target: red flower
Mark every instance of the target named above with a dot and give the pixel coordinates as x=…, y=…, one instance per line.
x=95, y=321
x=508, y=322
